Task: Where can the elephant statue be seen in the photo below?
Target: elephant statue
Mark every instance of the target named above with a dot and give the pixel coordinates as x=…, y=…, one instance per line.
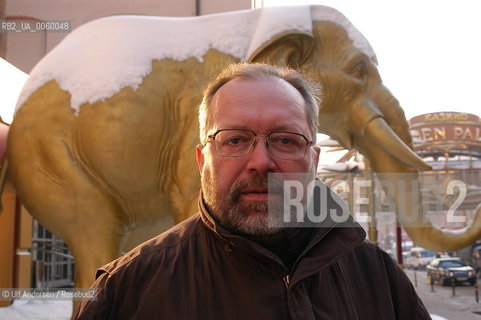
x=101, y=149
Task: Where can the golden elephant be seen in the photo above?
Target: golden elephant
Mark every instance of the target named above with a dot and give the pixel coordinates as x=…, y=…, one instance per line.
x=101, y=149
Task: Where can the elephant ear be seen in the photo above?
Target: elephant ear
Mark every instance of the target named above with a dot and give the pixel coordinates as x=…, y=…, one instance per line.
x=286, y=49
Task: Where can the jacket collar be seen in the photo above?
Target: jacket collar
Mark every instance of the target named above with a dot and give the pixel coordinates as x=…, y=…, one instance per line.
x=328, y=244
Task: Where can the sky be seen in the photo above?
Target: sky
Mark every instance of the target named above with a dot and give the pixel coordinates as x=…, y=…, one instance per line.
x=428, y=52
x=11, y=82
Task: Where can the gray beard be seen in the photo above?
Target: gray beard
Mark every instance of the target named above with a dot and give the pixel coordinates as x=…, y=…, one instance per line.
x=248, y=219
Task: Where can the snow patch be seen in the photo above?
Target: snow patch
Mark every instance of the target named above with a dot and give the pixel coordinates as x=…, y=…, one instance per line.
x=457, y=231
x=37, y=310
x=103, y=56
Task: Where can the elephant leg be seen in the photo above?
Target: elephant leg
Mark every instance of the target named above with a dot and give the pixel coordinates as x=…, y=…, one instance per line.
x=94, y=242
x=187, y=209
x=57, y=185
x=184, y=190
x=87, y=219
x=144, y=232
x=91, y=251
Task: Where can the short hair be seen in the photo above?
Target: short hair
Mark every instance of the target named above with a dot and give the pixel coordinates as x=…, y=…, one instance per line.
x=309, y=90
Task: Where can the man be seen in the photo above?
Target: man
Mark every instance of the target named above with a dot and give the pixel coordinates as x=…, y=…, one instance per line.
x=227, y=261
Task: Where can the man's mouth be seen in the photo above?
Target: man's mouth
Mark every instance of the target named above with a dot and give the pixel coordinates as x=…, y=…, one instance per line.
x=257, y=194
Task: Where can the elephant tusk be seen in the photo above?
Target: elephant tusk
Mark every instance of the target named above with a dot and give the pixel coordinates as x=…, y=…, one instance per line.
x=378, y=131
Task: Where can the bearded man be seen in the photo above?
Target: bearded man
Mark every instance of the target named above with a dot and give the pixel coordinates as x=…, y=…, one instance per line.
x=227, y=261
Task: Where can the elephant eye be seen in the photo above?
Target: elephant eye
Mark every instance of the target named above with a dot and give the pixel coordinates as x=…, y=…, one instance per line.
x=357, y=67
x=359, y=71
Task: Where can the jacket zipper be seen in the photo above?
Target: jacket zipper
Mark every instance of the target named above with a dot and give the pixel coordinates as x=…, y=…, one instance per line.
x=287, y=281
x=287, y=278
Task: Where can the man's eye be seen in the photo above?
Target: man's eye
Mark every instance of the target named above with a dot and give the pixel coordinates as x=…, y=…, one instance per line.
x=285, y=140
x=235, y=140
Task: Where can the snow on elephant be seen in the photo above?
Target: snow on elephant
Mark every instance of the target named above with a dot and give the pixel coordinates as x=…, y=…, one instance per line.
x=101, y=149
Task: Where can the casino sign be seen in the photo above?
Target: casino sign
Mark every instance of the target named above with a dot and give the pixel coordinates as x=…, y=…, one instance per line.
x=446, y=133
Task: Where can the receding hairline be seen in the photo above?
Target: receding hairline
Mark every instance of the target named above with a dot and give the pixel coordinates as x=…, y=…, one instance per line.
x=286, y=89
x=265, y=78
x=308, y=90
x=257, y=75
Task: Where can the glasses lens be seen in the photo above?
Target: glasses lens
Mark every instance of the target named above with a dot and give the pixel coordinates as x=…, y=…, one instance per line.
x=234, y=142
x=287, y=145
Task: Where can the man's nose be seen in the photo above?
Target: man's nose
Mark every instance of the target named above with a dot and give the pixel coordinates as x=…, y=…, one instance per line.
x=260, y=158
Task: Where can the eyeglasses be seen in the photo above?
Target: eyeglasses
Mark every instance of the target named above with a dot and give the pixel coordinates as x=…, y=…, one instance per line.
x=239, y=142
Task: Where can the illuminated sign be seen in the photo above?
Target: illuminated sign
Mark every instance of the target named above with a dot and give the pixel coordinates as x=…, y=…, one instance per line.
x=447, y=131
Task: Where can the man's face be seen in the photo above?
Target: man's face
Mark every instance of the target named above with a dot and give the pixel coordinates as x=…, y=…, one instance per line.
x=235, y=188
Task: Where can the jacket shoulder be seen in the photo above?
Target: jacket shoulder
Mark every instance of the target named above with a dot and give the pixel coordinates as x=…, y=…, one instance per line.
x=377, y=274
x=369, y=256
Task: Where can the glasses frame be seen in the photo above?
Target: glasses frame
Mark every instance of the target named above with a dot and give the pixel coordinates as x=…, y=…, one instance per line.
x=211, y=137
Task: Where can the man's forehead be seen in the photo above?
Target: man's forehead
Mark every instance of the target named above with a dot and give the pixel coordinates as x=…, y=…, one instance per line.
x=272, y=81
x=243, y=88
x=263, y=105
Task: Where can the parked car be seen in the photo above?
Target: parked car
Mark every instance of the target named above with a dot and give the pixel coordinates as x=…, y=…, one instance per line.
x=406, y=256
x=472, y=256
x=445, y=270
x=419, y=258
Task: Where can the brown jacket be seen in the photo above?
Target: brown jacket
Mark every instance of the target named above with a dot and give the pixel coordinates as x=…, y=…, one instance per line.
x=197, y=270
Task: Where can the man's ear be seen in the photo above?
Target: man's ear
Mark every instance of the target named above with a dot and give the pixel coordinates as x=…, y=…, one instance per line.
x=199, y=156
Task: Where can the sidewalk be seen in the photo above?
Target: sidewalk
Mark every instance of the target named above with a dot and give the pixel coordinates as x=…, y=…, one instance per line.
x=37, y=310
x=441, y=303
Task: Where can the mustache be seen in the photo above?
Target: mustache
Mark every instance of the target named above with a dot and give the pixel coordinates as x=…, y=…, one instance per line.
x=272, y=184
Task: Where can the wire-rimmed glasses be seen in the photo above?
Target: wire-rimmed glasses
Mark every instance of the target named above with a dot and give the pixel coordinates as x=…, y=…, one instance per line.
x=239, y=142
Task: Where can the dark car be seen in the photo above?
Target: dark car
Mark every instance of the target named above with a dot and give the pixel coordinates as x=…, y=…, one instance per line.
x=445, y=270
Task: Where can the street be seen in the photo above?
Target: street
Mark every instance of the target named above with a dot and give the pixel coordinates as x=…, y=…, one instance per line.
x=441, y=301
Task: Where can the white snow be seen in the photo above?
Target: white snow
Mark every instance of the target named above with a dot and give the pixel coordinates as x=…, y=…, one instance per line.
x=435, y=317
x=103, y=56
x=457, y=231
x=37, y=310
x=323, y=13
x=344, y=166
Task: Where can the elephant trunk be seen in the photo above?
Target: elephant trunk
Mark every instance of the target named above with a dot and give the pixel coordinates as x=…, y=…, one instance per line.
x=400, y=181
